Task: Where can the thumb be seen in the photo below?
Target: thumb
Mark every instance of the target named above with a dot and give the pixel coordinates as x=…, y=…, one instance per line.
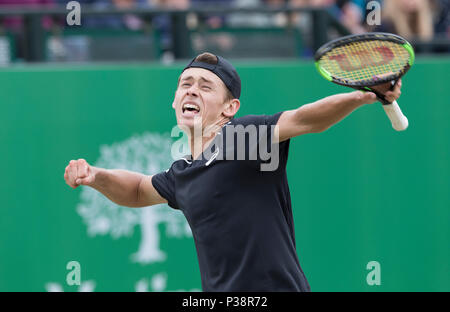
x=368, y=97
x=85, y=181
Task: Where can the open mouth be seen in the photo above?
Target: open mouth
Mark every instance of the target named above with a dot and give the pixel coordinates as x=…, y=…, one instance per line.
x=191, y=107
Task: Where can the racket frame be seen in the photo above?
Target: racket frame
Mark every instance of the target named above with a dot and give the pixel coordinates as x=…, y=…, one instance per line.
x=398, y=120
x=364, y=85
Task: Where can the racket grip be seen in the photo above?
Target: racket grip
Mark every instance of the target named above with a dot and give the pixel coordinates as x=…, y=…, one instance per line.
x=398, y=120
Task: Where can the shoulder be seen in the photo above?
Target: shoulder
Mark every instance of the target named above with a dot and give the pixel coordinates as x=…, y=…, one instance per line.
x=257, y=119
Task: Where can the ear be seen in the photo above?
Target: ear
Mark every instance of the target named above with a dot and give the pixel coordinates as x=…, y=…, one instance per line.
x=231, y=108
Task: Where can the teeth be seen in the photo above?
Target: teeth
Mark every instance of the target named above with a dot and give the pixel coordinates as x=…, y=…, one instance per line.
x=193, y=106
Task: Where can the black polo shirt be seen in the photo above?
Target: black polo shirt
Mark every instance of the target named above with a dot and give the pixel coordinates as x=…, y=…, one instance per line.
x=240, y=216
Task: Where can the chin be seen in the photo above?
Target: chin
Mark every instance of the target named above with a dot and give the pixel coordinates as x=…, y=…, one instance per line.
x=185, y=124
x=189, y=122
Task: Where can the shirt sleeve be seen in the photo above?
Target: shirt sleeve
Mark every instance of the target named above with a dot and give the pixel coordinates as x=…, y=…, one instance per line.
x=270, y=156
x=278, y=151
x=164, y=183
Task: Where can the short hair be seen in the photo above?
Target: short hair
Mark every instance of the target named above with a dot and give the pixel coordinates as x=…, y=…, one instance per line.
x=210, y=58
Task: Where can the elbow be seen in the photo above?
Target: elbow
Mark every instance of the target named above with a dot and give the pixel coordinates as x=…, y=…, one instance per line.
x=137, y=201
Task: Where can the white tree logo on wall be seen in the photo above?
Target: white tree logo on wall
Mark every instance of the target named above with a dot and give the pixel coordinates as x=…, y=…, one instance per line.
x=149, y=154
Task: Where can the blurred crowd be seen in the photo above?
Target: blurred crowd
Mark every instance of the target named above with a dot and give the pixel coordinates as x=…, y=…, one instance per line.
x=420, y=19
x=412, y=19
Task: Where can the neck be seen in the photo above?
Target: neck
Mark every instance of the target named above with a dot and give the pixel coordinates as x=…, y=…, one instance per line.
x=200, y=138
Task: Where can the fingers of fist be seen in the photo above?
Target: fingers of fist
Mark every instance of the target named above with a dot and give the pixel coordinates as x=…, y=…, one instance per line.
x=393, y=95
x=77, y=173
x=390, y=95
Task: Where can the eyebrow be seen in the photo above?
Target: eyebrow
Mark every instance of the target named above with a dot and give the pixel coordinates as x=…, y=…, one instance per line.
x=201, y=78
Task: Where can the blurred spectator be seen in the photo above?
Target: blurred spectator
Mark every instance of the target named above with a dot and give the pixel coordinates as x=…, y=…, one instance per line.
x=411, y=19
x=352, y=15
x=300, y=19
x=15, y=23
x=349, y=12
x=278, y=19
x=442, y=18
x=212, y=21
x=163, y=24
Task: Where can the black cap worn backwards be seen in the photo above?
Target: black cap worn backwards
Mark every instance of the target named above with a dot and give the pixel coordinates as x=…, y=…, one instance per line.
x=225, y=71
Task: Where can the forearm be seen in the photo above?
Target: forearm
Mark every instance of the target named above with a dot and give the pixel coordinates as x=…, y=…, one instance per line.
x=328, y=111
x=120, y=186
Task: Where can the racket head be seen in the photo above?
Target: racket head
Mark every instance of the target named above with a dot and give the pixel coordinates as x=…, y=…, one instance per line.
x=364, y=60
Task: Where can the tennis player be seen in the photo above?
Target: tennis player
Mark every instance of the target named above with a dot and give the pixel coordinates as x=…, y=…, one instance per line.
x=240, y=215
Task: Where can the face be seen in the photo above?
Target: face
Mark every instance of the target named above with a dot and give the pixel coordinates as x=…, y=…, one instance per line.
x=201, y=93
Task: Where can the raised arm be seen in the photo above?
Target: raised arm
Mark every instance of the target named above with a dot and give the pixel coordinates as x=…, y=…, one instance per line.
x=324, y=113
x=123, y=187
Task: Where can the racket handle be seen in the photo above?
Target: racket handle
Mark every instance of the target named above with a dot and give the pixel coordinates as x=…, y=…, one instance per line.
x=398, y=120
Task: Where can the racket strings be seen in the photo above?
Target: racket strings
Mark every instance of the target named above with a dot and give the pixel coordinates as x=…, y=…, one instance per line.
x=365, y=60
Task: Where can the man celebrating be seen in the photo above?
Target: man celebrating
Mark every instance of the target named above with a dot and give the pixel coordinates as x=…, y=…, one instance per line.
x=240, y=213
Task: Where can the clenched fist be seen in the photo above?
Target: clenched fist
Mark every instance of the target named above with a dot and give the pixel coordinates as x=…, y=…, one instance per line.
x=385, y=89
x=79, y=172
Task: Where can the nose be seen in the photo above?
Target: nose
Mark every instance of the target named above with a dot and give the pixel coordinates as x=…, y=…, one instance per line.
x=193, y=90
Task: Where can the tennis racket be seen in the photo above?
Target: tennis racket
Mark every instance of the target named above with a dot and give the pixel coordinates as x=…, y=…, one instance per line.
x=367, y=60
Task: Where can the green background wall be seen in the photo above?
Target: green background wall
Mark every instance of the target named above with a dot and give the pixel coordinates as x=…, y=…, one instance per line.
x=361, y=191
